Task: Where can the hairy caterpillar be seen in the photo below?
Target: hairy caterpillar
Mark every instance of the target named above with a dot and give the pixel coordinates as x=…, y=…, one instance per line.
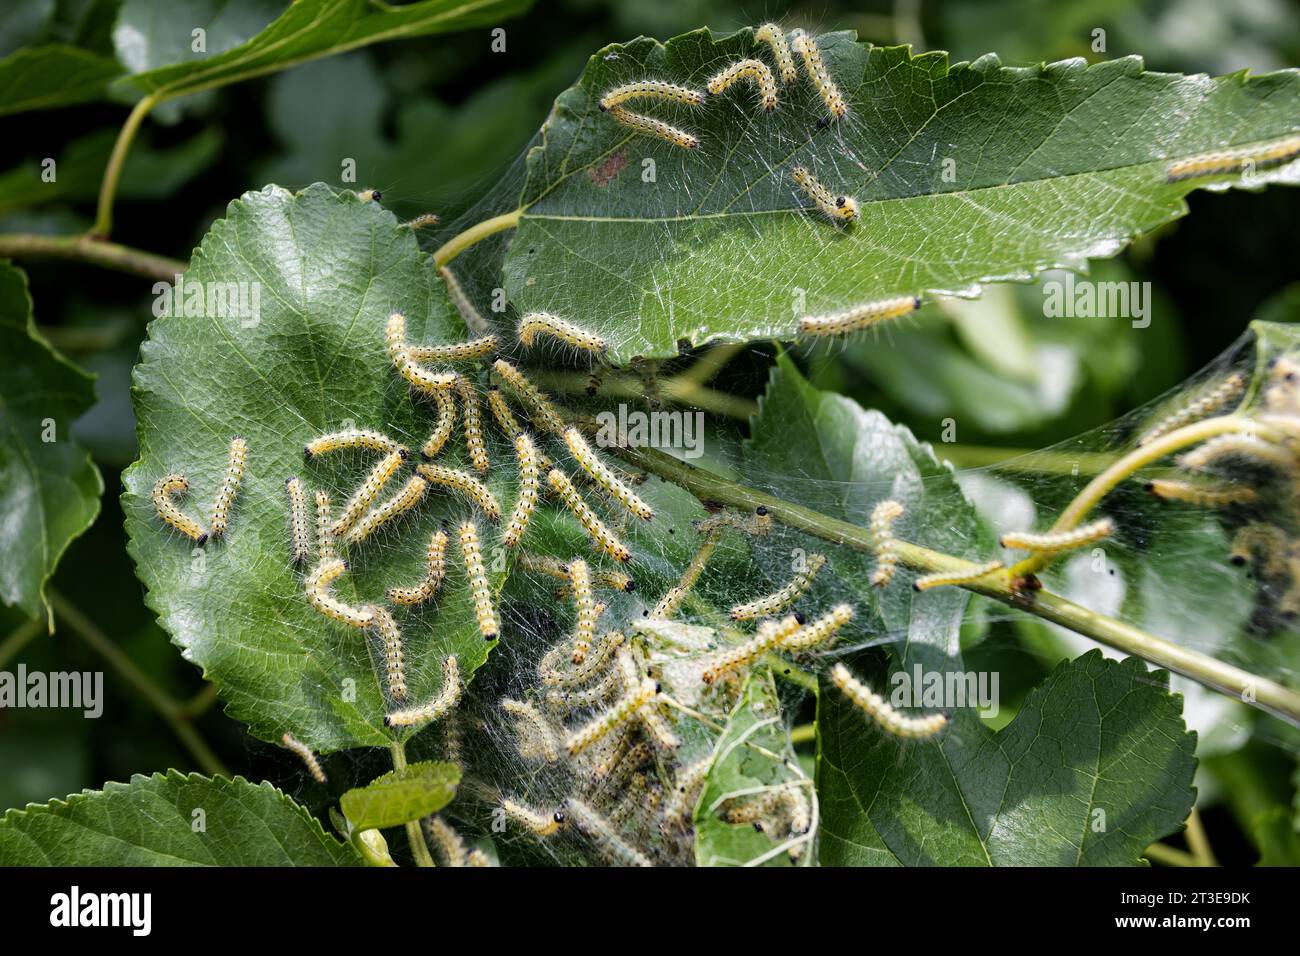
x=417, y=375
x=450, y=846
x=474, y=444
x=446, y=423
x=601, y=577
x=584, y=630
x=163, y=490
x=655, y=127
x=1216, y=398
x=883, y=516
x=593, y=695
x=657, y=727
x=473, y=320
x=605, y=836
x=672, y=600
x=594, y=382
x=478, y=583
x=943, y=578
x=1221, y=162
x=550, y=673
x=624, y=709
x=601, y=474
x=446, y=701
x=306, y=756
x=317, y=588
x=778, y=601
x=1201, y=495
x=423, y=221
x=236, y=459
x=772, y=35
x=529, y=484
x=535, y=727
x=771, y=634
x=1255, y=450
x=758, y=524
x=1268, y=541
x=543, y=323
x=436, y=569
x=455, y=352
x=755, y=70
x=879, y=710
x=466, y=484
x=394, y=659
x=324, y=537
x=819, y=631
x=686, y=790
x=650, y=89
x=538, y=402
x=407, y=497
x=604, y=539
x=541, y=824
x=299, y=537
x=807, y=48
x=477, y=858
x=500, y=410
x=1053, y=542
x=840, y=209
x=351, y=438
x=369, y=195
x=367, y=492
x=859, y=317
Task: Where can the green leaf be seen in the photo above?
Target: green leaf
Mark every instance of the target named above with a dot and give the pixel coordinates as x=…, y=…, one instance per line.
x=307, y=30
x=170, y=820
x=398, y=796
x=44, y=77
x=328, y=270
x=1096, y=735
x=1050, y=166
x=49, y=489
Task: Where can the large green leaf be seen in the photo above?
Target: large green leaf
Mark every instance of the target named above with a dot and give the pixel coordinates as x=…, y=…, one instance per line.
x=44, y=77
x=1049, y=166
x=1096, y=766
x=49, y=489
x=329, y=269
x=398, y=796
x=171, y=820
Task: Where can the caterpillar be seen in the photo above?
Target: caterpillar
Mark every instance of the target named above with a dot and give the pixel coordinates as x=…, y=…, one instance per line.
x=1268, y=541
x=474, y=444
x=650, y=89
x=236, y=459
x=536, y=727
x=1255, y=450
x=772, y=35
x=1053, y=542
x=541, y=824
x=601, y=474
x=538, y=402
x=604, y=539
x=450, y=846
x=771, y=634
x=839, y=209
x=687, y=785
x=600, y=577
x=529, y=483
x=943, y=578
x=1280, y=395
x=367, y=492
x=446, y=701
x=417, y=375
x=317, y=588
x=1221, y=162
x=550, y=673
x=299, y=537
x=778, y=601
x=410, y=495
x=596, y=694
x=451, y=740
x=425, y=220
x=543, y=323
x=1201, y=495
x=445, y=424
x=655, y=127
x=657, y=727
x=394, y=660
x=477, y=858
x=672, y=600
x=584, y=630
x=594, y=382
x=369, y=195
x=478, y=582
x=758, y=524
x=755, y=70
x=455, y=352
x=879, y=710
x=605, y=836
x=471, y=316
x=436, y=570
x=163, y=490
x=859, y=317
x=1212, y=401
x=500, y=410
x=807, y=48
x=883, y=516
x=351, y=438
x=819, y=631
x=306, y=756
x=466, y=484
x=624, y=709
x=324, y=537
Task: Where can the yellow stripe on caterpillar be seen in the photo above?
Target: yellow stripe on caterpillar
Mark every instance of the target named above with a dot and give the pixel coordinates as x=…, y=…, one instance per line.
x=650, y=89
x=534, y=324
x=366, y=438
x=236, y=459
x=584, y=630
x=317, y=589
x=367, y=492
x=324, y=537
x=450, y=846
x=602, y=537
x=1215, y=399
x=443, y=428
x=944, y=578
x=623, y=710
x=446, y=701
x=475, y=446
x=804, y=45
x=1053, y=542
x=454, y=352
x=478, y=582
x=879, y=709
x=755, y=70
x=655, y=127
x=859, y=317
x=883, y=516
x=1225, y=161
x=306, y=756
x=772, y=35
x=538, y=402
x=771, y=635
x=419, y=377
x=436, y=570
x=840, y=209
x=1200, y=494
x=410, y=495
x=163, y=490
x=390, y=637
x=778, y=601
x=821, y=631
x=605, y=836
x=533, y=725
x=299, y=536
x=466, y=484
x=529, y=487
x=603, y=476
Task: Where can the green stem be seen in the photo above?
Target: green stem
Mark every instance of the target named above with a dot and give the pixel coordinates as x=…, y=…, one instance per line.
x=463, y=240
x=200, y=702
x=1199, y=841
x=169, y=709
x=107, y=255
x=804, y=733
x=674, y=389
x=414, y=835
x=113, y=171
x=1023, y=460
x=708, y=365
x=1167, y=855
x=19, y=638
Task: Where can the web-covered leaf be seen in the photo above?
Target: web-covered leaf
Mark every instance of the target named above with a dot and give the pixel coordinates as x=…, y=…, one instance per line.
x=410, y=793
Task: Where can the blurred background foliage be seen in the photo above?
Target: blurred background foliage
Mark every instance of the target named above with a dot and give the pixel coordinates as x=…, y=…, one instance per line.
x=432, y=123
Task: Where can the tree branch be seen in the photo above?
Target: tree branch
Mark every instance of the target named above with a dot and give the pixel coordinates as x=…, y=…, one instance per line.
x=108, y=255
